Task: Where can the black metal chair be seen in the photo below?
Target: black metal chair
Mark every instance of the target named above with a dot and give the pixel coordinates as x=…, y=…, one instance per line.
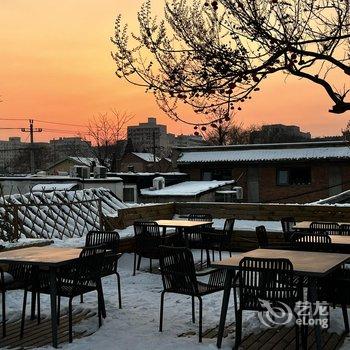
x=264, y=279
x=147, y=241
x=110, y=241
x=193, y=235
x=218, y=240
x=344, y=230
x=331, y=228
x=18, y=276
x=287, y=228
x=338, y=292
x=320, y=242
x=261, y=235
x=74, y=279
x=179, y=276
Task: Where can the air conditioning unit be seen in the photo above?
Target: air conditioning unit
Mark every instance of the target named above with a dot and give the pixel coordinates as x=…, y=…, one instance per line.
x=100, y=172
x=159, y=182
x=239, y=192
x=83, y=172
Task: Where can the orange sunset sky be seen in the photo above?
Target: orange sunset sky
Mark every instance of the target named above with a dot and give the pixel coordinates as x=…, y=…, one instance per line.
x=55, y=65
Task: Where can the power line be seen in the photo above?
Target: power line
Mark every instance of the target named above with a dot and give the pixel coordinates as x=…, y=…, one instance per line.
x=43, y=121
x=57, y=123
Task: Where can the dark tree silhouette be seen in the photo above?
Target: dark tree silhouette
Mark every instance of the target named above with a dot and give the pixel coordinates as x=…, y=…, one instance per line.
x=225, y=130
x=105, y=131
x=207, y=54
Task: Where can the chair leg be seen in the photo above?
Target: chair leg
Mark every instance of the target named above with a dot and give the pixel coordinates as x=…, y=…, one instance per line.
x=346, y=318
x=200, y=319
x=81, y=298
x=220, y=255
x=119, y=290
x=99, y=309
x=213, y=254
x=139, y=263
x=101, y=298
x=38, y=306
x=3, y=301
x=208, y=257
x=161, y=311
x=297, y=337
x=230, y=253
x=134, y=272
x=238, y=328
x=150, y=265
x=23, y=313
x=193, y=311
x=32, y=313
x=70, y=320
x=59, y=309
x=201, y=257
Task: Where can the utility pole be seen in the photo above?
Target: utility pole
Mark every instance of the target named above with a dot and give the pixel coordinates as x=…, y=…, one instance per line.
x=154, y=149
x=31, y=131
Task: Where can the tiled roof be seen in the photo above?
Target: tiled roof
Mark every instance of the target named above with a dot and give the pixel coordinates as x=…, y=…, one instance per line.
x=264, y=154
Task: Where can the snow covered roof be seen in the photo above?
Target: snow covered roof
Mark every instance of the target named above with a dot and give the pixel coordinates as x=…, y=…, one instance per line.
x=85, y=160
x=254, y=153
x=147, y=157
x=187, y=188
x=54, y=187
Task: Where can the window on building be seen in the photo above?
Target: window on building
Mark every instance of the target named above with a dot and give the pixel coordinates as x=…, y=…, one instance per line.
x=217, y=174
x=129, y=194
x=293, y=176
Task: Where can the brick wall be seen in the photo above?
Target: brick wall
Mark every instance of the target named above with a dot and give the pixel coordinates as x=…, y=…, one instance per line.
x=269, y=191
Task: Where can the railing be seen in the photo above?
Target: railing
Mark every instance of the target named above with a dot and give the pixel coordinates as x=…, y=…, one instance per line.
x=56, y=214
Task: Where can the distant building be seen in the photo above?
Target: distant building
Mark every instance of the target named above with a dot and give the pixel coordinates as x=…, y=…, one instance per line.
x=154, y=138
x=277, y=133
x=145, y=135
x=280, y=173
x=15, y=156
x=188, y=141
x=47, y=183
x=69, y=146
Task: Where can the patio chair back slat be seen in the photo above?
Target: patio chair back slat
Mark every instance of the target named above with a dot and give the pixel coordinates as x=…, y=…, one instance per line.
x=331, y=228
x=266, y=279
x=178, y=270
x=109, y=239
x=345, y=230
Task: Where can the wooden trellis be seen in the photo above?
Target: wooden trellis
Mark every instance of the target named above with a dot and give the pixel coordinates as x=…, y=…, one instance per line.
x=57, y=214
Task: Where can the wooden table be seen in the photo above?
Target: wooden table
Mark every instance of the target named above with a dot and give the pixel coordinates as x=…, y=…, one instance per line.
x=181, y=225
x=339, y=239
x=305, y=225
x=49, y=257
x=315, y=265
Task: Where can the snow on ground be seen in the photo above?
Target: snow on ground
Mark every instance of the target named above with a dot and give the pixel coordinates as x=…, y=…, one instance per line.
x=136, y=325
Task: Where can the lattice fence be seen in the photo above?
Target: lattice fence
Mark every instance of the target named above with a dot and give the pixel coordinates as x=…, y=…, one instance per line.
x=57, y=214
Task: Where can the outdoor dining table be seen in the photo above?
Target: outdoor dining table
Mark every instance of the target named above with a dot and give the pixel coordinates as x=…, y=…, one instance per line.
x=314, y=265
x=181, y=225
x=44, y=257
x=305, y=225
